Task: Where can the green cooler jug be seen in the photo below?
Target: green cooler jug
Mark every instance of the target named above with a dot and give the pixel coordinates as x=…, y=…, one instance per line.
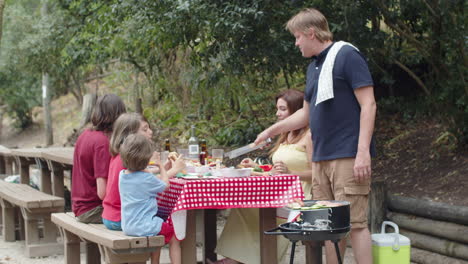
x=390, y=248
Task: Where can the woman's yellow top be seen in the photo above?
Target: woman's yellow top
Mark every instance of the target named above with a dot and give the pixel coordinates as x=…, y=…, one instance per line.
x=296, y=159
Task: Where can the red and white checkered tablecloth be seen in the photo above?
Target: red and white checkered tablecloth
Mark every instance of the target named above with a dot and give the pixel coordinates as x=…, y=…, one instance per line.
x=222, y=193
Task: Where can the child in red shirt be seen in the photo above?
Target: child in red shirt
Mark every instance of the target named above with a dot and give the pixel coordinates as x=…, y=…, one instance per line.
x=125, y=125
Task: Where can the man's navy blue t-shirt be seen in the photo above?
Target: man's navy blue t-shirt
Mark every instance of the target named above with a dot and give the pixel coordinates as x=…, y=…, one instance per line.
x=335, y=123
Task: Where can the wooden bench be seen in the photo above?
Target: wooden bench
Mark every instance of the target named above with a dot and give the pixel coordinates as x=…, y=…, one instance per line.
x=36, y=208
x=114, y=246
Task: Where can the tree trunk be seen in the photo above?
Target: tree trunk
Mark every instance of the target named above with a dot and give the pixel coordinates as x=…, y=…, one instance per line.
x=46, y=95
x=2, y=6
x=425, y=257
x=429, y=209
x=2, y=113
x=89, y=100
x=47, y=111
x=136, y=95
x=438, y=245
x=446, y=230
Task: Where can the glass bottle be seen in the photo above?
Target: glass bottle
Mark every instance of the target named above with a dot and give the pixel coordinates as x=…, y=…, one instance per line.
x=167, y=145
x=203, y=152
x=193, y=145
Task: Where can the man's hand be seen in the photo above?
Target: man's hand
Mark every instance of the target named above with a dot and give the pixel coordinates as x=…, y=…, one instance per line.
x=362, y=166
x=261, y=137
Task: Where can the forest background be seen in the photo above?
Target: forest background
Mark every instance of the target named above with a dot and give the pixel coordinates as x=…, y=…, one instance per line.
x=218, y=65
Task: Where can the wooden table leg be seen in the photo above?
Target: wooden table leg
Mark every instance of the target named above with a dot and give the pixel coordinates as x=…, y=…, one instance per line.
x=2, y=165
x=45, y=180
x=24, y=169
x=189, y=248
x=57, y=187
x=8, y=215
x=9, y=165
x=92, y=253
x=210, y=237
x=72, y=247
x=268, y=247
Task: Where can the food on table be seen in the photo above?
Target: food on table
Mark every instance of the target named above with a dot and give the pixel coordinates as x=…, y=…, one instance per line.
x=267, y=167
x=316, y=205
x=256, y=173
x=297, y=204
x=173, y=156
x=328, y=204
x=258, y=169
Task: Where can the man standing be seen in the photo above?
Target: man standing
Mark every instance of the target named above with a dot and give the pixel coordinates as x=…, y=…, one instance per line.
x=340, y=108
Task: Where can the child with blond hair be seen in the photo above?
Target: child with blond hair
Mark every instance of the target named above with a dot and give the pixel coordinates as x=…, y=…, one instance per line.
x=138, y=189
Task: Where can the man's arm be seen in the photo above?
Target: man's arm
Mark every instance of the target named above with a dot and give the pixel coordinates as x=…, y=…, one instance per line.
x=297, y=120
x=362, y=165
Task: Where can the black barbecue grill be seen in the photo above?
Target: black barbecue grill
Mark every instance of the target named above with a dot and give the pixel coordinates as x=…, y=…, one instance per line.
x=317, y=225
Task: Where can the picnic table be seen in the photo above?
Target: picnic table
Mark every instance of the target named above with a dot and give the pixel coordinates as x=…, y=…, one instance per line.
x=51, y=161
x=58, y=160
x=183, y=197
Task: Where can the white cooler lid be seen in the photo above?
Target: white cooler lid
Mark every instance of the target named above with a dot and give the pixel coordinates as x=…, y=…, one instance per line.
x=388, y=239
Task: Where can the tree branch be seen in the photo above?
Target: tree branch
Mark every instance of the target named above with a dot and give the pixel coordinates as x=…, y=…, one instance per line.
x=414, y=76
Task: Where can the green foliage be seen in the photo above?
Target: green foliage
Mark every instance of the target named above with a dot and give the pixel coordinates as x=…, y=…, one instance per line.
x=223, y=61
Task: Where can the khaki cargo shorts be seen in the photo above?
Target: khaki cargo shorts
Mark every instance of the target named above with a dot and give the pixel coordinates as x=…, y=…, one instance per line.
x=334, y=180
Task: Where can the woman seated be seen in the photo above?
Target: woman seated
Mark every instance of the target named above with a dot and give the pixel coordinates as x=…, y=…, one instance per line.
x=292, y=154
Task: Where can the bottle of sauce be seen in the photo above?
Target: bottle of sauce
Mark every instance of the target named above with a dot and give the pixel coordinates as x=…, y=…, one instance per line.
x=203, y=152
x=167, y=145
x=193, y=146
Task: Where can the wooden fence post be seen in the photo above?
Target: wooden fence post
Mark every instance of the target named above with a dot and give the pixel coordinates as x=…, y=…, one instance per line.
x=377, y=205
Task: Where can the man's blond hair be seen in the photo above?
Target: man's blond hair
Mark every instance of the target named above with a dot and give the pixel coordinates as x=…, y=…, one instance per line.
x=310, y=19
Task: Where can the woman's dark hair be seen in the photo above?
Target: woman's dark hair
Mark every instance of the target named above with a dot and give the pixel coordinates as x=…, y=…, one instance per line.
x=136, y=151
x=294, y=101
x=107, y=109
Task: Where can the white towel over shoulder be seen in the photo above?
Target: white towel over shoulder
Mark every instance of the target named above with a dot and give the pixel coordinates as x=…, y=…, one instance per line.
x=325, y=82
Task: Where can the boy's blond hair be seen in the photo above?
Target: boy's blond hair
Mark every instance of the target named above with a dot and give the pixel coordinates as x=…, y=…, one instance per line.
x=308, y=19
x=136, y=152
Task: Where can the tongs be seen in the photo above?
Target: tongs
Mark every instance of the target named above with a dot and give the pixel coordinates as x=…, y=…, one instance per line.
x=246, y=149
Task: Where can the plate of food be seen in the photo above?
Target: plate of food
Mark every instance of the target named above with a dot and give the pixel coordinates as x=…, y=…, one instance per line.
x=231, y=172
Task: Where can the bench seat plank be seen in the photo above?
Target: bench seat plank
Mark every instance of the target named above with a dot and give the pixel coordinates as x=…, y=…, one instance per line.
x=25, y=196
x=135, y=242
x=88, y=232
x=115, y=246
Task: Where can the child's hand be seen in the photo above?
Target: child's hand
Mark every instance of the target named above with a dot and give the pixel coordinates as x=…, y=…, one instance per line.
x=153, y=169
x=168, y=164
x=155, y=159
x=179, y=164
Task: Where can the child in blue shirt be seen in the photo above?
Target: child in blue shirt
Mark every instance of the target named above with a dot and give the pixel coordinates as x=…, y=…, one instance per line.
x=138, y=189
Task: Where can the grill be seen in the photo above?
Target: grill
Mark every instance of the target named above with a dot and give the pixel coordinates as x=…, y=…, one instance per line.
x=327, y=224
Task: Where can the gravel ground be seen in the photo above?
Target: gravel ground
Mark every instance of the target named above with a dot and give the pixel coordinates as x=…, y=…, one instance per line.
x=13, y=252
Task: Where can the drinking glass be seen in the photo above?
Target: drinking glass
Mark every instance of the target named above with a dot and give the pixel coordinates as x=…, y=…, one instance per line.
x=217, y=154
x=164, y=156
x=184, y=152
